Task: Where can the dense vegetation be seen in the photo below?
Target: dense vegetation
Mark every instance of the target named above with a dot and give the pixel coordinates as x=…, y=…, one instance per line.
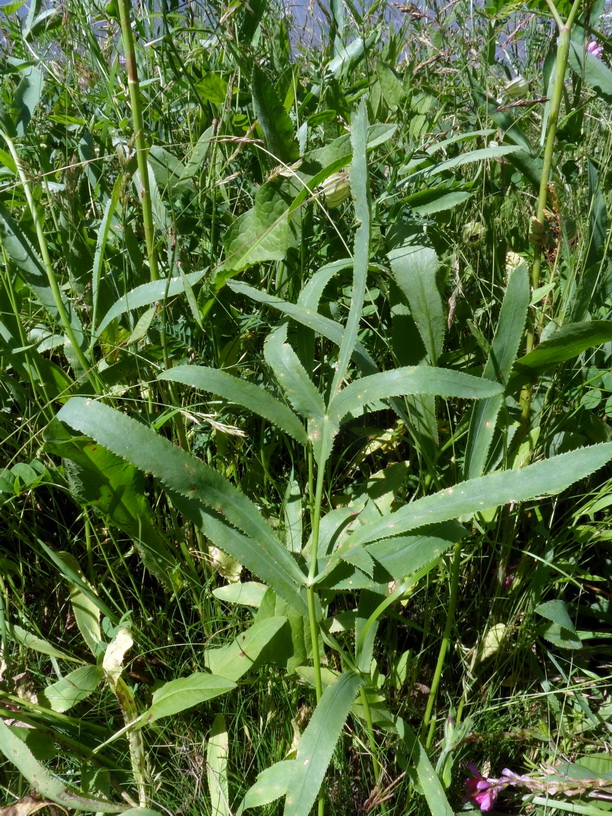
x=305, y=402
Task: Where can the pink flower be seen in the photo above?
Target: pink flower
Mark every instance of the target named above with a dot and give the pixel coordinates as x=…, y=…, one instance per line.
x=481, y=791
x=595, y=48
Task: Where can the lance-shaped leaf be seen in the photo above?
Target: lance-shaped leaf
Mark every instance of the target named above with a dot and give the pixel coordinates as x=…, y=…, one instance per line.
x=24, y=256
x=307, y=317
x=499, y=364
x=242, y=393
x=476, y=495
x=428, y=779
x=360, y=190
x=318, y=743
x=568, y=342
x=415, y=270
x=409, y=380
x=184, y=475
x=71, y=689
x=149, y=293
x=273, y=118
x=216, y=768
x=236, y=658
x=45, y=783
x=186, y=692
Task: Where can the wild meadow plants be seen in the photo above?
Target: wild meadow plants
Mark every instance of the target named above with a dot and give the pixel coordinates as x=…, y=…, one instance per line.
x=305, y=397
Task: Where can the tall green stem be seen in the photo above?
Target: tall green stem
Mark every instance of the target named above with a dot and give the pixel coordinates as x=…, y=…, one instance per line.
x=139, y=136
x=450, y=619
x=563, y=46
x=64, y=319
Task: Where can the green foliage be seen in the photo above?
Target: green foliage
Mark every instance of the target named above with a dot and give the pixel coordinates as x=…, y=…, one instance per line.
x=305, y=490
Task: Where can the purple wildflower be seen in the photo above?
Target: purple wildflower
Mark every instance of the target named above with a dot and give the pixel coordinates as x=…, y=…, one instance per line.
x=595, y=48
x=481, y=791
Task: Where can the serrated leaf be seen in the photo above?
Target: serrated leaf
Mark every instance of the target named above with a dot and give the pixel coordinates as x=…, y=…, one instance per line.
x=273, y=118
x=556, y=611
x=318, y=743
x=415, y=270
x=190, y=478
x=236, y=658
x=186, y=692
x=409, y=380
x=242, y=393
x=309, y=318
x=74, y=687
x=291, y=375
x=476, y=495
x=567, y=342
x=45, y=783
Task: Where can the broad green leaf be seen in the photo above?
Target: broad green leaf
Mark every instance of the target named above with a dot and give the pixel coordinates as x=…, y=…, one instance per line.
x=477, y=495
x=568, y=342
x=192, y=479
x=86, y=610
x=415, y=270
x=213, y=87
x=74, y=687
x=179, y=695
x=263, y=233
x=318, y=743
x=404, y=555
x=45, y=783
x=216, y=768
x=236, y=658
x=274, y=120
x=198, y=154
x=292, y=651
x=556, y=611
x=429, y=202
x=147, y=294
x=39, y=645
x=242, y=393
x=499, y=364
x=248, y=593
x=391, y=85
x=428, y=779
x=410, y=380
x=27, y=97
x=361, y=253
x=270, y=785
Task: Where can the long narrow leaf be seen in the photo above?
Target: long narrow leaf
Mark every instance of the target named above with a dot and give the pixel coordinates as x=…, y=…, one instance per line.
x=503, y=353
x=181, y=472
x=541, y=479
x=318, y=743
x=242, y=393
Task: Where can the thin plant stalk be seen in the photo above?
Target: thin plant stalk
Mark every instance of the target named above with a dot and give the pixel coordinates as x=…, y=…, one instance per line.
x=82, y=360
x=563, y=46
x=139, y=136
x=427, y=725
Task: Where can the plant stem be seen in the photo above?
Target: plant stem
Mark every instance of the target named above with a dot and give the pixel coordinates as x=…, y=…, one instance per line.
x=563, y=46
x=139, y=137
x=83, y=362
x=450, y=619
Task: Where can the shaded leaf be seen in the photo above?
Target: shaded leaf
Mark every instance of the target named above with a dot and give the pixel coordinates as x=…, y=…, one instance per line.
x=273, y=118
